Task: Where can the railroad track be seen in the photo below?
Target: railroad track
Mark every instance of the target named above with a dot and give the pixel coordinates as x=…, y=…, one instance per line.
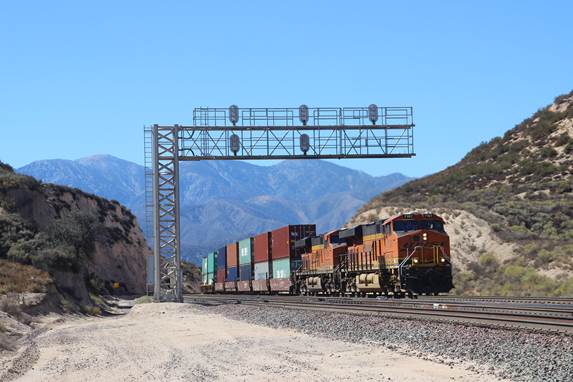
x=498, y=299
x=525, y=314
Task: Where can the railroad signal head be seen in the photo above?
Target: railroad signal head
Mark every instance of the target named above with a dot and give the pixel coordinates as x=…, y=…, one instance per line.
x=373, y=113
x=304, y=143
x=303, y=114
x=234, y=114
x=235, y=143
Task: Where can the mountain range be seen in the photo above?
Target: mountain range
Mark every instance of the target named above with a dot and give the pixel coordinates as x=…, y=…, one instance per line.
x=223, y=201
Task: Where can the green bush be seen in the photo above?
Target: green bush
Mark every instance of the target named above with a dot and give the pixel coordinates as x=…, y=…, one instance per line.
x=43, y=254
x=69, y=240
x=547, y=152
x=77, y=230
x=563, y=139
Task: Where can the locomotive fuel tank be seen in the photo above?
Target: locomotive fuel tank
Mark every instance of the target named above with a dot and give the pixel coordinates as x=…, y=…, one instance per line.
x=368, y=282
x=313, y=284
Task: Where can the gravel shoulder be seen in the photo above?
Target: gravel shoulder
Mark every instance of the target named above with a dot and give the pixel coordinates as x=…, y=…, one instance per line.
x=181, y=342
x=510, y=354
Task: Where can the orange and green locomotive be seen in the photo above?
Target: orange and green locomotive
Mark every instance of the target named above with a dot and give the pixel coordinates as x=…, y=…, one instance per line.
x=405, y=254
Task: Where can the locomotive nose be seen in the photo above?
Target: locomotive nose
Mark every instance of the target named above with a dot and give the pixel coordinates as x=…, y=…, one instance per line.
x=424, y=247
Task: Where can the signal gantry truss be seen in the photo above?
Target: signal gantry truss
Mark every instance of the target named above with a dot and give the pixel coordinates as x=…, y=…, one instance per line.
x=252, y=134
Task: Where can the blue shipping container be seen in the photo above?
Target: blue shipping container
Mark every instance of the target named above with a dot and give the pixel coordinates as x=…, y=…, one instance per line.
x=222, y=258
x=245, y=272
x=231, y=274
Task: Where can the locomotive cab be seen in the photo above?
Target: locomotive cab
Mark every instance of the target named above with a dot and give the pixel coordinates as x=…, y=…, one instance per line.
x=423, y=250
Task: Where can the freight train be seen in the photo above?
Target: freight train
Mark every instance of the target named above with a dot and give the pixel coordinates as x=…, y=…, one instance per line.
x=408, y=254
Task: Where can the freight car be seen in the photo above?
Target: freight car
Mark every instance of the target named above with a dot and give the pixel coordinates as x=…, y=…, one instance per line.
x=406, y=254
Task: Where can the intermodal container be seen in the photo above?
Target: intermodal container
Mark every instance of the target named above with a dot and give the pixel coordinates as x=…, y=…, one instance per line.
x=232, y=274
x=222, y=258
x=246, y=272
x=211, y=258
x=283, y=239
x=210, y=278
x=220, y=278
x=281, y=268
x=232, y=255
x=262, y=271
x=262, y=247
x=246, y=251
x=204, y=271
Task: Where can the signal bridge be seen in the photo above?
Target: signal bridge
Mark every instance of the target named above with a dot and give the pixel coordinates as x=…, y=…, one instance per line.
x=250, y=134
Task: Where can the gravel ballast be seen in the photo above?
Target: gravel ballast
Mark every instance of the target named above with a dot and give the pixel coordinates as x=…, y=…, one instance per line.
x=519, y=355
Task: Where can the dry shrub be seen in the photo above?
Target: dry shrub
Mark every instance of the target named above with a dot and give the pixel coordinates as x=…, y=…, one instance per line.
x=20, y=278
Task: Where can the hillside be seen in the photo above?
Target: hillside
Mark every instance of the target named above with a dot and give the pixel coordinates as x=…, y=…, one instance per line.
x=66, y=244
x=509, y=205
x=223, y=201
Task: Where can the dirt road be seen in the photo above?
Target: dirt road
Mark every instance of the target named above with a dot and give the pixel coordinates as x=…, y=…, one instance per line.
x=179, y=342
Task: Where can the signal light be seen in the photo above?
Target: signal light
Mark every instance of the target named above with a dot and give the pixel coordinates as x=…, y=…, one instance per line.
x=235, y=143
x=234, y=114
x=304, y=143
x=373, y=113
x=303, y=114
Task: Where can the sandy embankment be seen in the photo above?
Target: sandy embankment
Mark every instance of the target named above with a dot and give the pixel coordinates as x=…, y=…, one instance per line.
x=178, y=342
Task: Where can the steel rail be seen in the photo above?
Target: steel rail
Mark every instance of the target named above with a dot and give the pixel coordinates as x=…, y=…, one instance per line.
x=502, y=299
x=530, y=318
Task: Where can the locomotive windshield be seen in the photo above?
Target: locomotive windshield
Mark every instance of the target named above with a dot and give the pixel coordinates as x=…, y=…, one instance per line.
x=413, y=225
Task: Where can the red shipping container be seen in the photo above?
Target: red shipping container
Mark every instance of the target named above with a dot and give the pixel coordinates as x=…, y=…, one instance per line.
x=283, y=239
x=232, y=255
x=220, y=276
x=262, y=244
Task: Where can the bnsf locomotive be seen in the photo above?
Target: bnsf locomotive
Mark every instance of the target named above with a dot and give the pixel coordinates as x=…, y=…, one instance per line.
x=407, y=254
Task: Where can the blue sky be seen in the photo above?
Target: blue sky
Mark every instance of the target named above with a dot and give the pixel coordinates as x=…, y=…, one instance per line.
x=79, y=78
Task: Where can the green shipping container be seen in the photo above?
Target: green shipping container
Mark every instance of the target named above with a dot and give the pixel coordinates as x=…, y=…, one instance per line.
x=211, y=262
x=210, y=278
x=245, y=251
x=204, y=271
x=281, y=268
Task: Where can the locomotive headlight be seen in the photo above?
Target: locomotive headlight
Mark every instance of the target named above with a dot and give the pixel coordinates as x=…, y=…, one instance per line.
x=442, y=260
x=415, y=261
x=424, y=236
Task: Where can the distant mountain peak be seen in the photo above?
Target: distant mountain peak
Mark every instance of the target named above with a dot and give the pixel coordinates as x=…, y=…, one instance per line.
x=99, y=157
x=226, y=200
